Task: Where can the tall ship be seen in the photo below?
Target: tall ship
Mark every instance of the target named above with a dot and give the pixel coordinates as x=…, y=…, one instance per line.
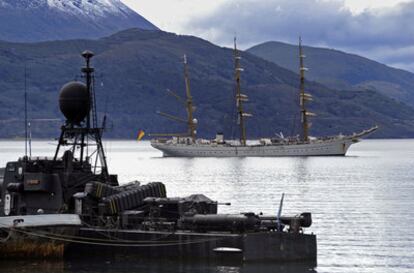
x=187, y=145
x=68, y=206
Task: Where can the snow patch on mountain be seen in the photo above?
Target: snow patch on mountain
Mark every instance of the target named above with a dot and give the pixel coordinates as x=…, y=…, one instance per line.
x=78, y=7
x=41, y=20
x=89, y=7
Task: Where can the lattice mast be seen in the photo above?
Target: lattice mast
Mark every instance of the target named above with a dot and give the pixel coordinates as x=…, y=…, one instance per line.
x=303, y=97
x=240, y=98
x=87, y=133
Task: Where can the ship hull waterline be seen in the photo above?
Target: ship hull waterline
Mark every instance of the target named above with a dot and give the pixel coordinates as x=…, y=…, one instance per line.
x=186, y=246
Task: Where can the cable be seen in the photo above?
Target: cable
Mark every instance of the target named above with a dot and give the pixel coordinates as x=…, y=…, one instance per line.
x=86, y=240
x=57, y=238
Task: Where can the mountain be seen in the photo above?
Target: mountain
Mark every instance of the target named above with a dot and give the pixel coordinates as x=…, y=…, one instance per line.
x=135, y=67
x=42, y=20
x=340, y=70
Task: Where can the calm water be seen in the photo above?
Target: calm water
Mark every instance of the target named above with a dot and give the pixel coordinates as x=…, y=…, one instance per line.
x=362, y=204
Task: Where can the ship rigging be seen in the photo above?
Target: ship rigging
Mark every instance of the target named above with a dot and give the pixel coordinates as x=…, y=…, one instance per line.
x=191, y=122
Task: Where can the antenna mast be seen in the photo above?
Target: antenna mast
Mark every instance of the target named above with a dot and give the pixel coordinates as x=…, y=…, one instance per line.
x=189, y=102
x=240, y=98
x=30, y=139
x=304, y=97
x=95, y=132
x=25, y=110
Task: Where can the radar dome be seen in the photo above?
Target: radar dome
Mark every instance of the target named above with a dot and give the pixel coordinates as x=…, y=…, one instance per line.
x=74, y=102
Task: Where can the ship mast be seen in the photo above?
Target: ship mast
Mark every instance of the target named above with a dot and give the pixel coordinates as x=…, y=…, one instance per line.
x=83, y=134
x=188, y=102
x=240, y=98
x=192, y=123
x=304, y=97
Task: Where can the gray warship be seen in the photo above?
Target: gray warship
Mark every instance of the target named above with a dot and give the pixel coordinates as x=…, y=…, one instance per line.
x=69, y=207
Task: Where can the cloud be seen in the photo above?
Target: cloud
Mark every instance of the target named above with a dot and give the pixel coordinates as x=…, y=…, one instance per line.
x=386, y=35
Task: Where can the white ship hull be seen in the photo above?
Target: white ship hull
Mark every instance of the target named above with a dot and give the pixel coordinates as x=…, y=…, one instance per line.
x=337, y=147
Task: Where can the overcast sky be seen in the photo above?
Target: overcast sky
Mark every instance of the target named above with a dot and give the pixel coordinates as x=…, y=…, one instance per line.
x=382, y=30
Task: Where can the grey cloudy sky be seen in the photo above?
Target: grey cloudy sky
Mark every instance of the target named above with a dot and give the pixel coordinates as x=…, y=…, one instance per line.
x=382, y=30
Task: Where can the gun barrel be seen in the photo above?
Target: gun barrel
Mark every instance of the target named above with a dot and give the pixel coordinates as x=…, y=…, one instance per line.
x=304, y=219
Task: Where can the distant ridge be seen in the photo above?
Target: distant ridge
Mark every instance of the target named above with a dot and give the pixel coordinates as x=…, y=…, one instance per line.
x=45, y=20
x=342, y=71
x=135, y=67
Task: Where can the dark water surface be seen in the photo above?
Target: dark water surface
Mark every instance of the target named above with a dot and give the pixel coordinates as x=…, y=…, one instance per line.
x=362, y=204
